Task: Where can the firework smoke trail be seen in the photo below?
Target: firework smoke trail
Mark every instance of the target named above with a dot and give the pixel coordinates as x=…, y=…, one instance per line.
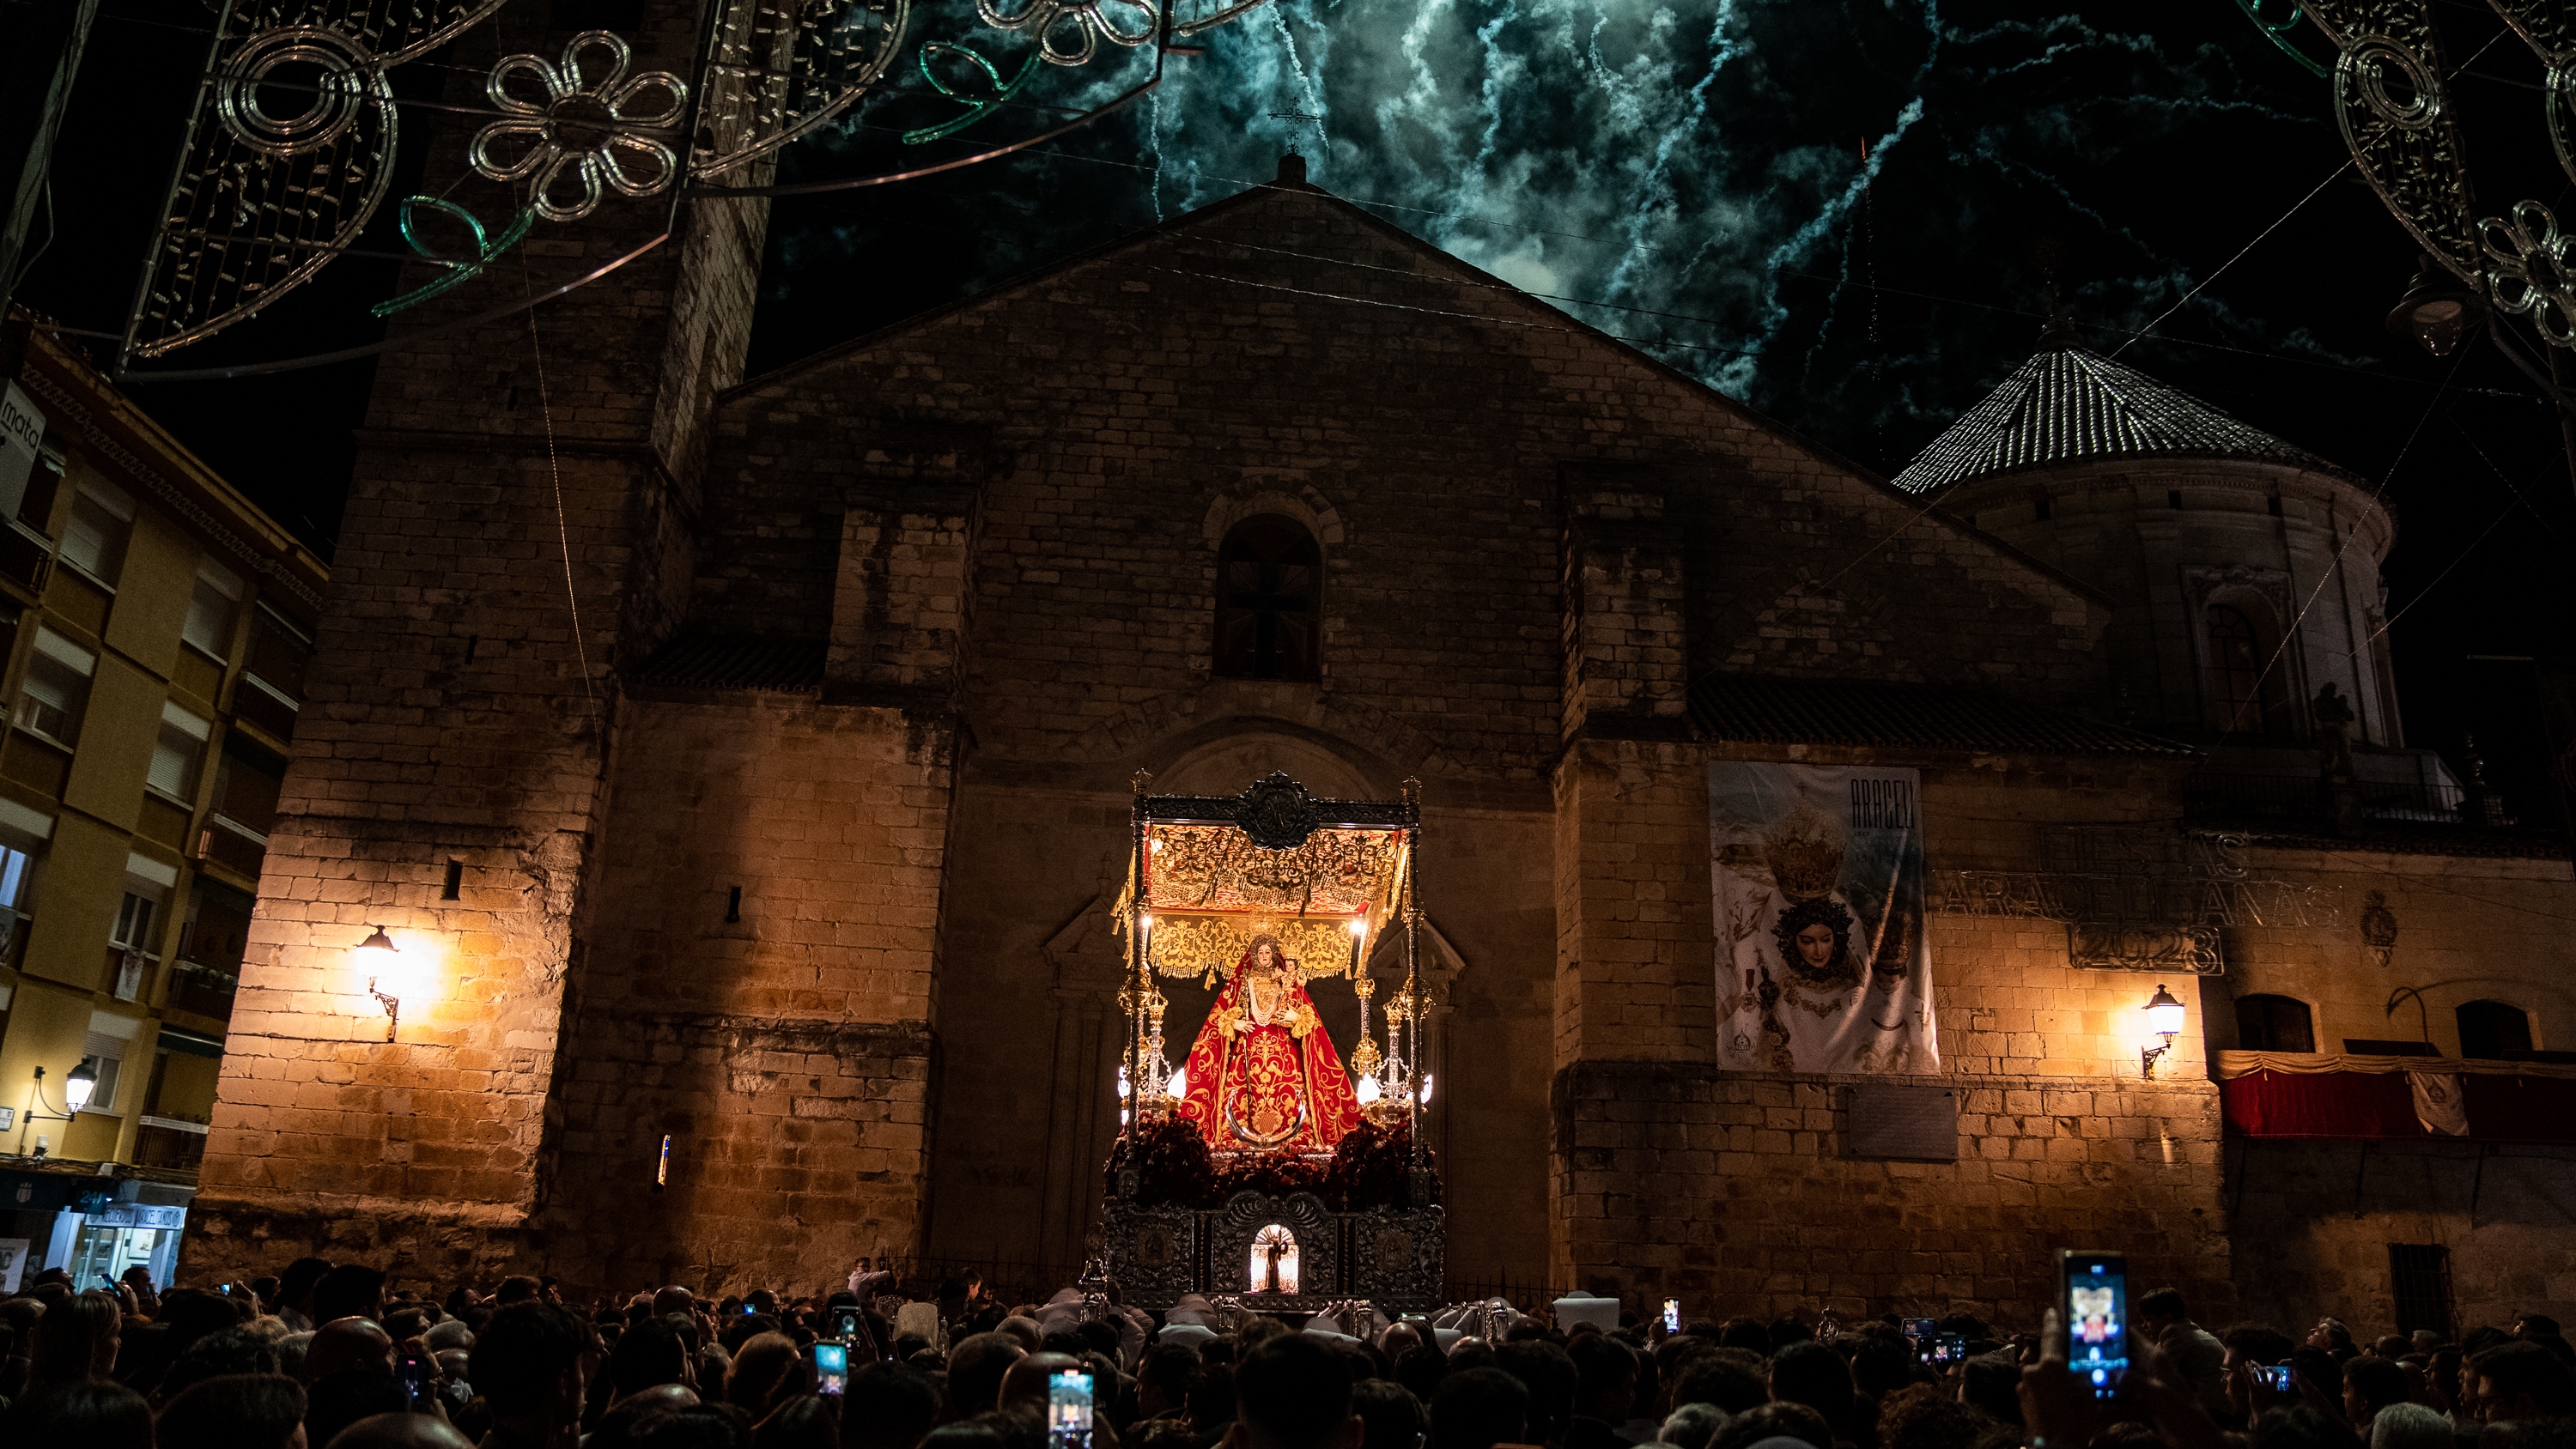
x=1656, y=193
x=1683, y=156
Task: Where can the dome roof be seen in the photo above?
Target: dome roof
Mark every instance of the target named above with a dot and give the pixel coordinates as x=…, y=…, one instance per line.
x=2069, y=404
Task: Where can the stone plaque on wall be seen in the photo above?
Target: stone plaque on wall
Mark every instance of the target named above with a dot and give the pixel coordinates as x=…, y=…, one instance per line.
x=1916, y=1124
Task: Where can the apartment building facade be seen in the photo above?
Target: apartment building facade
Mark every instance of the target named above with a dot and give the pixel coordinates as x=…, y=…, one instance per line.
x=154, y=626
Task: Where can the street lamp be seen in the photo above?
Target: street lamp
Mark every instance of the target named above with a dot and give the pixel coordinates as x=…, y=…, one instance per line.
x=376, y=954
x=2437, y=310
x=77, y=1086
x=2164, y=1018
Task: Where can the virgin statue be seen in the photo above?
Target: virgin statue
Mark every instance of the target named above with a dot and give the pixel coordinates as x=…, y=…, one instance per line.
x=1262, y=1073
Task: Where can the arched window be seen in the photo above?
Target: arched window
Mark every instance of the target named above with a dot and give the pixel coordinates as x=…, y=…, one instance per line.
x=2491, y=1028
x=1269, y=605
x=2274, y=1024
x=2247, y=689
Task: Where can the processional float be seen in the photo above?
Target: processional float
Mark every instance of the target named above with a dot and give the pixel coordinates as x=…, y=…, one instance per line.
x=1214, y=1206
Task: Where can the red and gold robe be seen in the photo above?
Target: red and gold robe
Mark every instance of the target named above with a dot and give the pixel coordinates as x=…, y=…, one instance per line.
x=1277, y=1088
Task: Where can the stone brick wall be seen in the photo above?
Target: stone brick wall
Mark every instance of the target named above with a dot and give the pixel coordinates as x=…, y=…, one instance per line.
x=453, y=714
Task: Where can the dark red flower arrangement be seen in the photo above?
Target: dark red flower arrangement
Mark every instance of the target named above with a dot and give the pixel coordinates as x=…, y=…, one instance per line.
x=1370, y=1168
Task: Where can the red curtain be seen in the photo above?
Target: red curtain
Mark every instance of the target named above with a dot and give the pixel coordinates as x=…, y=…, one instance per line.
x=2334, y=1104
x=2521, y=1109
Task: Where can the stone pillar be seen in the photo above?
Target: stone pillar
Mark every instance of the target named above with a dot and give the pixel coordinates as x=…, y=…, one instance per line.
x=1626, y=646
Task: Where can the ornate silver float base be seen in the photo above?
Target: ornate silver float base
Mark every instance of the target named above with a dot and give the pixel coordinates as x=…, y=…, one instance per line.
x=1387, y=1256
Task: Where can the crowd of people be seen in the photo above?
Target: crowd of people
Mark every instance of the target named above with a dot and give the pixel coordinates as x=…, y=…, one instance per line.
x=325, y=1356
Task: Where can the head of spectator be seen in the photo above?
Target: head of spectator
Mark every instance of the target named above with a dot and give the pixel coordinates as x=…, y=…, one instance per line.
x=699, y=1426
x=1882, y=1362
x=1814, y=1375
x=803, y=1422
x=1294, y=1392
x=1421, y=1369
x=400, y=1431
x=1922, y=1416
x=1775, y=1421
x=1722, y=1379
x=448, y=1333
x=2370, y=1384
x=236, y=1350
x=517, y=1288
x=1992, y=1382
x=75, y=1342
x=1692, y=1426
x=1786, y=1331
x=975, y=1367
x=2158, y=1310
x=2331, y=1335
x=1745, y=1333
x=649, y=1353
x=236, y=1411
x=335, y=1401
x=1163, y=1380
x=1605, y=1378
x=2302, y=1427
x=2513, y=1382
x=90, y=1415
x=347, y=1343
x=1399, y=1339
x=352, y=1290
x=1477, y=1408
x=1549, y=1375
x=530, y=1366
x=1024, y=1332
x=2411, y=1426
x=766, y=1372
x=1390, y=1416
x=887, y=1407
x=1211, y=1400
x=1024, y=1383
x=2525, y=1325
x=295, y=1286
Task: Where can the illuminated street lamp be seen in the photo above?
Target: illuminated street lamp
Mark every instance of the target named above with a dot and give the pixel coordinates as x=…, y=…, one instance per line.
x=2164, y=1018
x=376, y=954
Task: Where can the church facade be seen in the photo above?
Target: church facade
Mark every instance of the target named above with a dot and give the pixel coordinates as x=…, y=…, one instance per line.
x=759, y=916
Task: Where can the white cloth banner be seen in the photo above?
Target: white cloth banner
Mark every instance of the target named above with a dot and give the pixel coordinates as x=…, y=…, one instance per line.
x=2440, y=1103
x=1822, y=963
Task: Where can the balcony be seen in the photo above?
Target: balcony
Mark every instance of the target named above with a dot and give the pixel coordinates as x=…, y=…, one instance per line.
x=169, y=1143
x=2283, y=796
x=232, y=845
x=205, y=990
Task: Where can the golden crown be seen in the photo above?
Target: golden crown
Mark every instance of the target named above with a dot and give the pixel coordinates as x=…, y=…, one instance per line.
x=1805, y=854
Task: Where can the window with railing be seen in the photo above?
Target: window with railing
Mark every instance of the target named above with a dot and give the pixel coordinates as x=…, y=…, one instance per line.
x=55, y=692
x=246, y=790
x=95, y=534
x=211, y=943
x=212, y=609
x=178, y=751
x=271, y=692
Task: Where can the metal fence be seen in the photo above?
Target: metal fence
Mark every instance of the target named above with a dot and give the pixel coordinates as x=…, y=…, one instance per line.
x=2297, y=795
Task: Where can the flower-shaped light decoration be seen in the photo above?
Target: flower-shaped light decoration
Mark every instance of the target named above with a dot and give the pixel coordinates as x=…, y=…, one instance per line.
x=2531, y=271
x=590, y=131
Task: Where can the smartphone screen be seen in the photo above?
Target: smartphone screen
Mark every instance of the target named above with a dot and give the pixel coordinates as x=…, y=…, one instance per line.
x=1068, y=1410
x=2275, y=1376
x=844, y=1324
x=1950, y=1348
x=2095, y=1302
x=1920, y=1328
x=1672, y=1315
x=415, y=1374
x=831, y=1369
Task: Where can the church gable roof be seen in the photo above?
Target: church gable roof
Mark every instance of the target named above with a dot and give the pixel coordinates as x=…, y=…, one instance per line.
x=2070, y=404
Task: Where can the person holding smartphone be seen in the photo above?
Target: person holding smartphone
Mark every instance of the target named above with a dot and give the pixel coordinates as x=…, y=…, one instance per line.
x=2193, y=1357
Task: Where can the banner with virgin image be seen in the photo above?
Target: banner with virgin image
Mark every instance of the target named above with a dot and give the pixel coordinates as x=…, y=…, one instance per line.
x=1822, y=961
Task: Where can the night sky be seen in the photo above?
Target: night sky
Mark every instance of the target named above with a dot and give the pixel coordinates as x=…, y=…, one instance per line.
x=1850, y=216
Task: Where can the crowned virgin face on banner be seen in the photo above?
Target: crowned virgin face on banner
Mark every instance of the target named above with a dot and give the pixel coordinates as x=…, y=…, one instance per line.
x=1822, y=961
